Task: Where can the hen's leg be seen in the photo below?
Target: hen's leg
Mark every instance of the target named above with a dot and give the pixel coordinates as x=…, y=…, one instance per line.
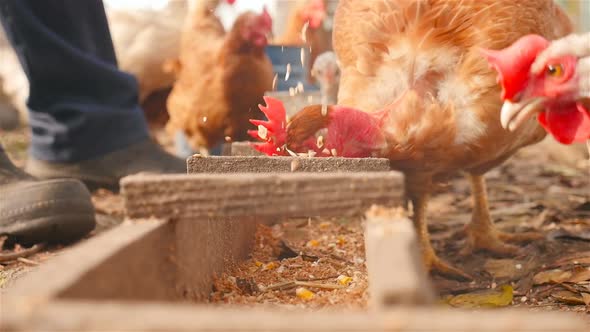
x=481, y=232
x=419, y=198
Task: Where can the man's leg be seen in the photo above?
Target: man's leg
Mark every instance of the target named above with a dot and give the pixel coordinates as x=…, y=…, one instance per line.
x=81, y=105
x=85, y=117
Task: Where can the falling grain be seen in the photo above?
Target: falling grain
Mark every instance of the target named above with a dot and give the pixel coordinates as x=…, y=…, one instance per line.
x=304, y=32
x=324, y=105
x=295, y=165
x=324, y=109
x=204, y=119
x=300, y=88
x=293, y=154
x=320, y=141
x=302, y=55
x=274, y=82
x=262, y=132
x=288, y=73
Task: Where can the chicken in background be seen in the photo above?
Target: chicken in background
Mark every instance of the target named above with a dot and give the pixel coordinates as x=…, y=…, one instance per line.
x=221, y=78
x=305, y=27
x=305, y=18
x=136, y=34
x=326, y=72
x=549, y=79
x=415, y=89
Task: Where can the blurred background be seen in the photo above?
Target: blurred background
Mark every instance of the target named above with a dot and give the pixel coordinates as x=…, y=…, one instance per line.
x=578, y=9
x=147, y=34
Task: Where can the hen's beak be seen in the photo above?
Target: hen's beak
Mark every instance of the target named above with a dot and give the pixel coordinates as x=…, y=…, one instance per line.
x=514, y=115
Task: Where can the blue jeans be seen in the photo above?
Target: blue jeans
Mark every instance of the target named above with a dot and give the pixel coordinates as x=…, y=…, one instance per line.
x=81, y=105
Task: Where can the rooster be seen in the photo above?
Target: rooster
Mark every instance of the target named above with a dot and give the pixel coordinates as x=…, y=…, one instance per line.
x=221, y=78
x=415, y=89
x=553, y=82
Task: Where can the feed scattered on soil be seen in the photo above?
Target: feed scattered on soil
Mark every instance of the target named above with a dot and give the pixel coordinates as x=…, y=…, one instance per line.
x=552, y=274
x=310, y=263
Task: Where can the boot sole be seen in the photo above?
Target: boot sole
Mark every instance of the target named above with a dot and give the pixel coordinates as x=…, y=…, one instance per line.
x=63, y=228
x=54, y=211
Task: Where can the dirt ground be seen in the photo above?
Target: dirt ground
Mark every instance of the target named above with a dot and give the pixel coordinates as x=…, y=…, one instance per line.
x=319, y=263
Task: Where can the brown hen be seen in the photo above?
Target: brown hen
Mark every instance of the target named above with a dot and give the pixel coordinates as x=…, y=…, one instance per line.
x=221, y=77
x=421, y=61
x=416, y=67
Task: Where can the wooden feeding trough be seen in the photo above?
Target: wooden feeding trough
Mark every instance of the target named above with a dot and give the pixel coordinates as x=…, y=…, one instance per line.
x=153, y=272
x=239, y=149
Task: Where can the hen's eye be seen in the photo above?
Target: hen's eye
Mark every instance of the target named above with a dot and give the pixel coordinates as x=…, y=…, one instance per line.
x=555, y=70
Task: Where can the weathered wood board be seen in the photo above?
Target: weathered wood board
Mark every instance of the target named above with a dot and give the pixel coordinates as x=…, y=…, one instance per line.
x=151, y=273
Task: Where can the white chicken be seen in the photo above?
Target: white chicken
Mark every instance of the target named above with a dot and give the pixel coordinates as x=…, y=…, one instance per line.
x=144, y=40
x=327, y=73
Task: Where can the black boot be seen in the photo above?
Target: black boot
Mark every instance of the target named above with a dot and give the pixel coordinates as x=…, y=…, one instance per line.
x=106, y=171
x=34, y=211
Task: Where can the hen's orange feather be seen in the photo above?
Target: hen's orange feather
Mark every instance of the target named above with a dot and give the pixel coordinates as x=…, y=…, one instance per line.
x=421, y=61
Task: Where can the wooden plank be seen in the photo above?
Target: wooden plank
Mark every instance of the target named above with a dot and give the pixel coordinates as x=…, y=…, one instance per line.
x=206, y=247
x=156, y=317
x=140, y=270
x=77, y=271
x=264, y=164
x=240, y=149
x=396, y=272
x=264, y=195
x=144, y=261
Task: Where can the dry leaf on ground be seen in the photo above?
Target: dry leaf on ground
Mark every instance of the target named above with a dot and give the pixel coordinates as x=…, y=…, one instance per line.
x=499, y=297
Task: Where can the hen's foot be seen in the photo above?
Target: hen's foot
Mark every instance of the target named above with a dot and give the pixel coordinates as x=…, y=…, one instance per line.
x=494, y=241
x=523, y=237
x=437, y=265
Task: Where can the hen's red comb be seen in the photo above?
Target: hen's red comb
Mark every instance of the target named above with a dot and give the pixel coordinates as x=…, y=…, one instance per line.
x=314, y=13
x=231, y=2
x=274, y=131
x=266, y=19
x=513, y=63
